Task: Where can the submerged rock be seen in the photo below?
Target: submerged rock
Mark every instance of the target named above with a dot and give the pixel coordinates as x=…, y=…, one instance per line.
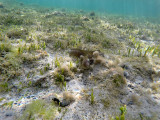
x=92, y=14
x=1, y=5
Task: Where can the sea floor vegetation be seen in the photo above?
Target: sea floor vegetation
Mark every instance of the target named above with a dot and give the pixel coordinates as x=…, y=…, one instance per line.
x=77, y=65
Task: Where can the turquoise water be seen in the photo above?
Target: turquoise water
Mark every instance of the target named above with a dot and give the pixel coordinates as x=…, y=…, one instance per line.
x=144, y=8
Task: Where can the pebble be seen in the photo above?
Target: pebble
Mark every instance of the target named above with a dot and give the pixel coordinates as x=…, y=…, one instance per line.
x=130, y=103
x=126, y=74
x=67, y=79
x=28, y=97
x=131, y=86
x=125, y=66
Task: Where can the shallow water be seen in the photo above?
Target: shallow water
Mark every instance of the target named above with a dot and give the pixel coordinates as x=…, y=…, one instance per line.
x=36, y=37
x=145, y=8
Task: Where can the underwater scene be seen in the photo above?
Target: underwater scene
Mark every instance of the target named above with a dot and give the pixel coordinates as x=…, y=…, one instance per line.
x=79, y=59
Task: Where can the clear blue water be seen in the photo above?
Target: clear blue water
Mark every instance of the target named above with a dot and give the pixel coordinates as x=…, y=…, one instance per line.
x=144, y=8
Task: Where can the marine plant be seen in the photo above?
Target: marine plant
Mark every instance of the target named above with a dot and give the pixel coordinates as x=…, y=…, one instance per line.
x=7, y=104
x=4, y=87
x=119, y=80
x=92, y=96
x=129, y=51
x=123, y=111
x=39, y=109
x=57, y=62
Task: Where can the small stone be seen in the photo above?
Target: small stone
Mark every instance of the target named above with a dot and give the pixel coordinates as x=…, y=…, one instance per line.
x=126, y=74
x=67, y=79
x=125, y=66
x=130, y=103
x=131, y=86
x=28, y=97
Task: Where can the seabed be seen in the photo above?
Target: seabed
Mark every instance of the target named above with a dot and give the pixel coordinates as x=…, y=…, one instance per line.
x=99, y=67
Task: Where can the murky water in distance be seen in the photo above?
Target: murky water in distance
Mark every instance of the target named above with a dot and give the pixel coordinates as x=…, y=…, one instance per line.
x=145, y=8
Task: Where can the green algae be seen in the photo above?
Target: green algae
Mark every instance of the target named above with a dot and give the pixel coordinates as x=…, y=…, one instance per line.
x=39, y=109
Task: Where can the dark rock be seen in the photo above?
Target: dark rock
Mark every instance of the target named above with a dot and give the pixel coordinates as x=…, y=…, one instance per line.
x=21, y=4
x=67, y=79
x=131, y=86
x=126, y=74
x=1, y=5
x=28, y=97
x=130, y=103
x=125, y=66
x=92, y=14
x=64, y=103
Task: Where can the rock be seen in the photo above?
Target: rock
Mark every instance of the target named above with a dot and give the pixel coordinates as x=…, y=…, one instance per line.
x=126, y=74
x=130, y=103
x=126, y=66
x=67, y=79
x=92, y=14
x=131, y=86
x=1, y=5
x=28, y=97
x=68, y=98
